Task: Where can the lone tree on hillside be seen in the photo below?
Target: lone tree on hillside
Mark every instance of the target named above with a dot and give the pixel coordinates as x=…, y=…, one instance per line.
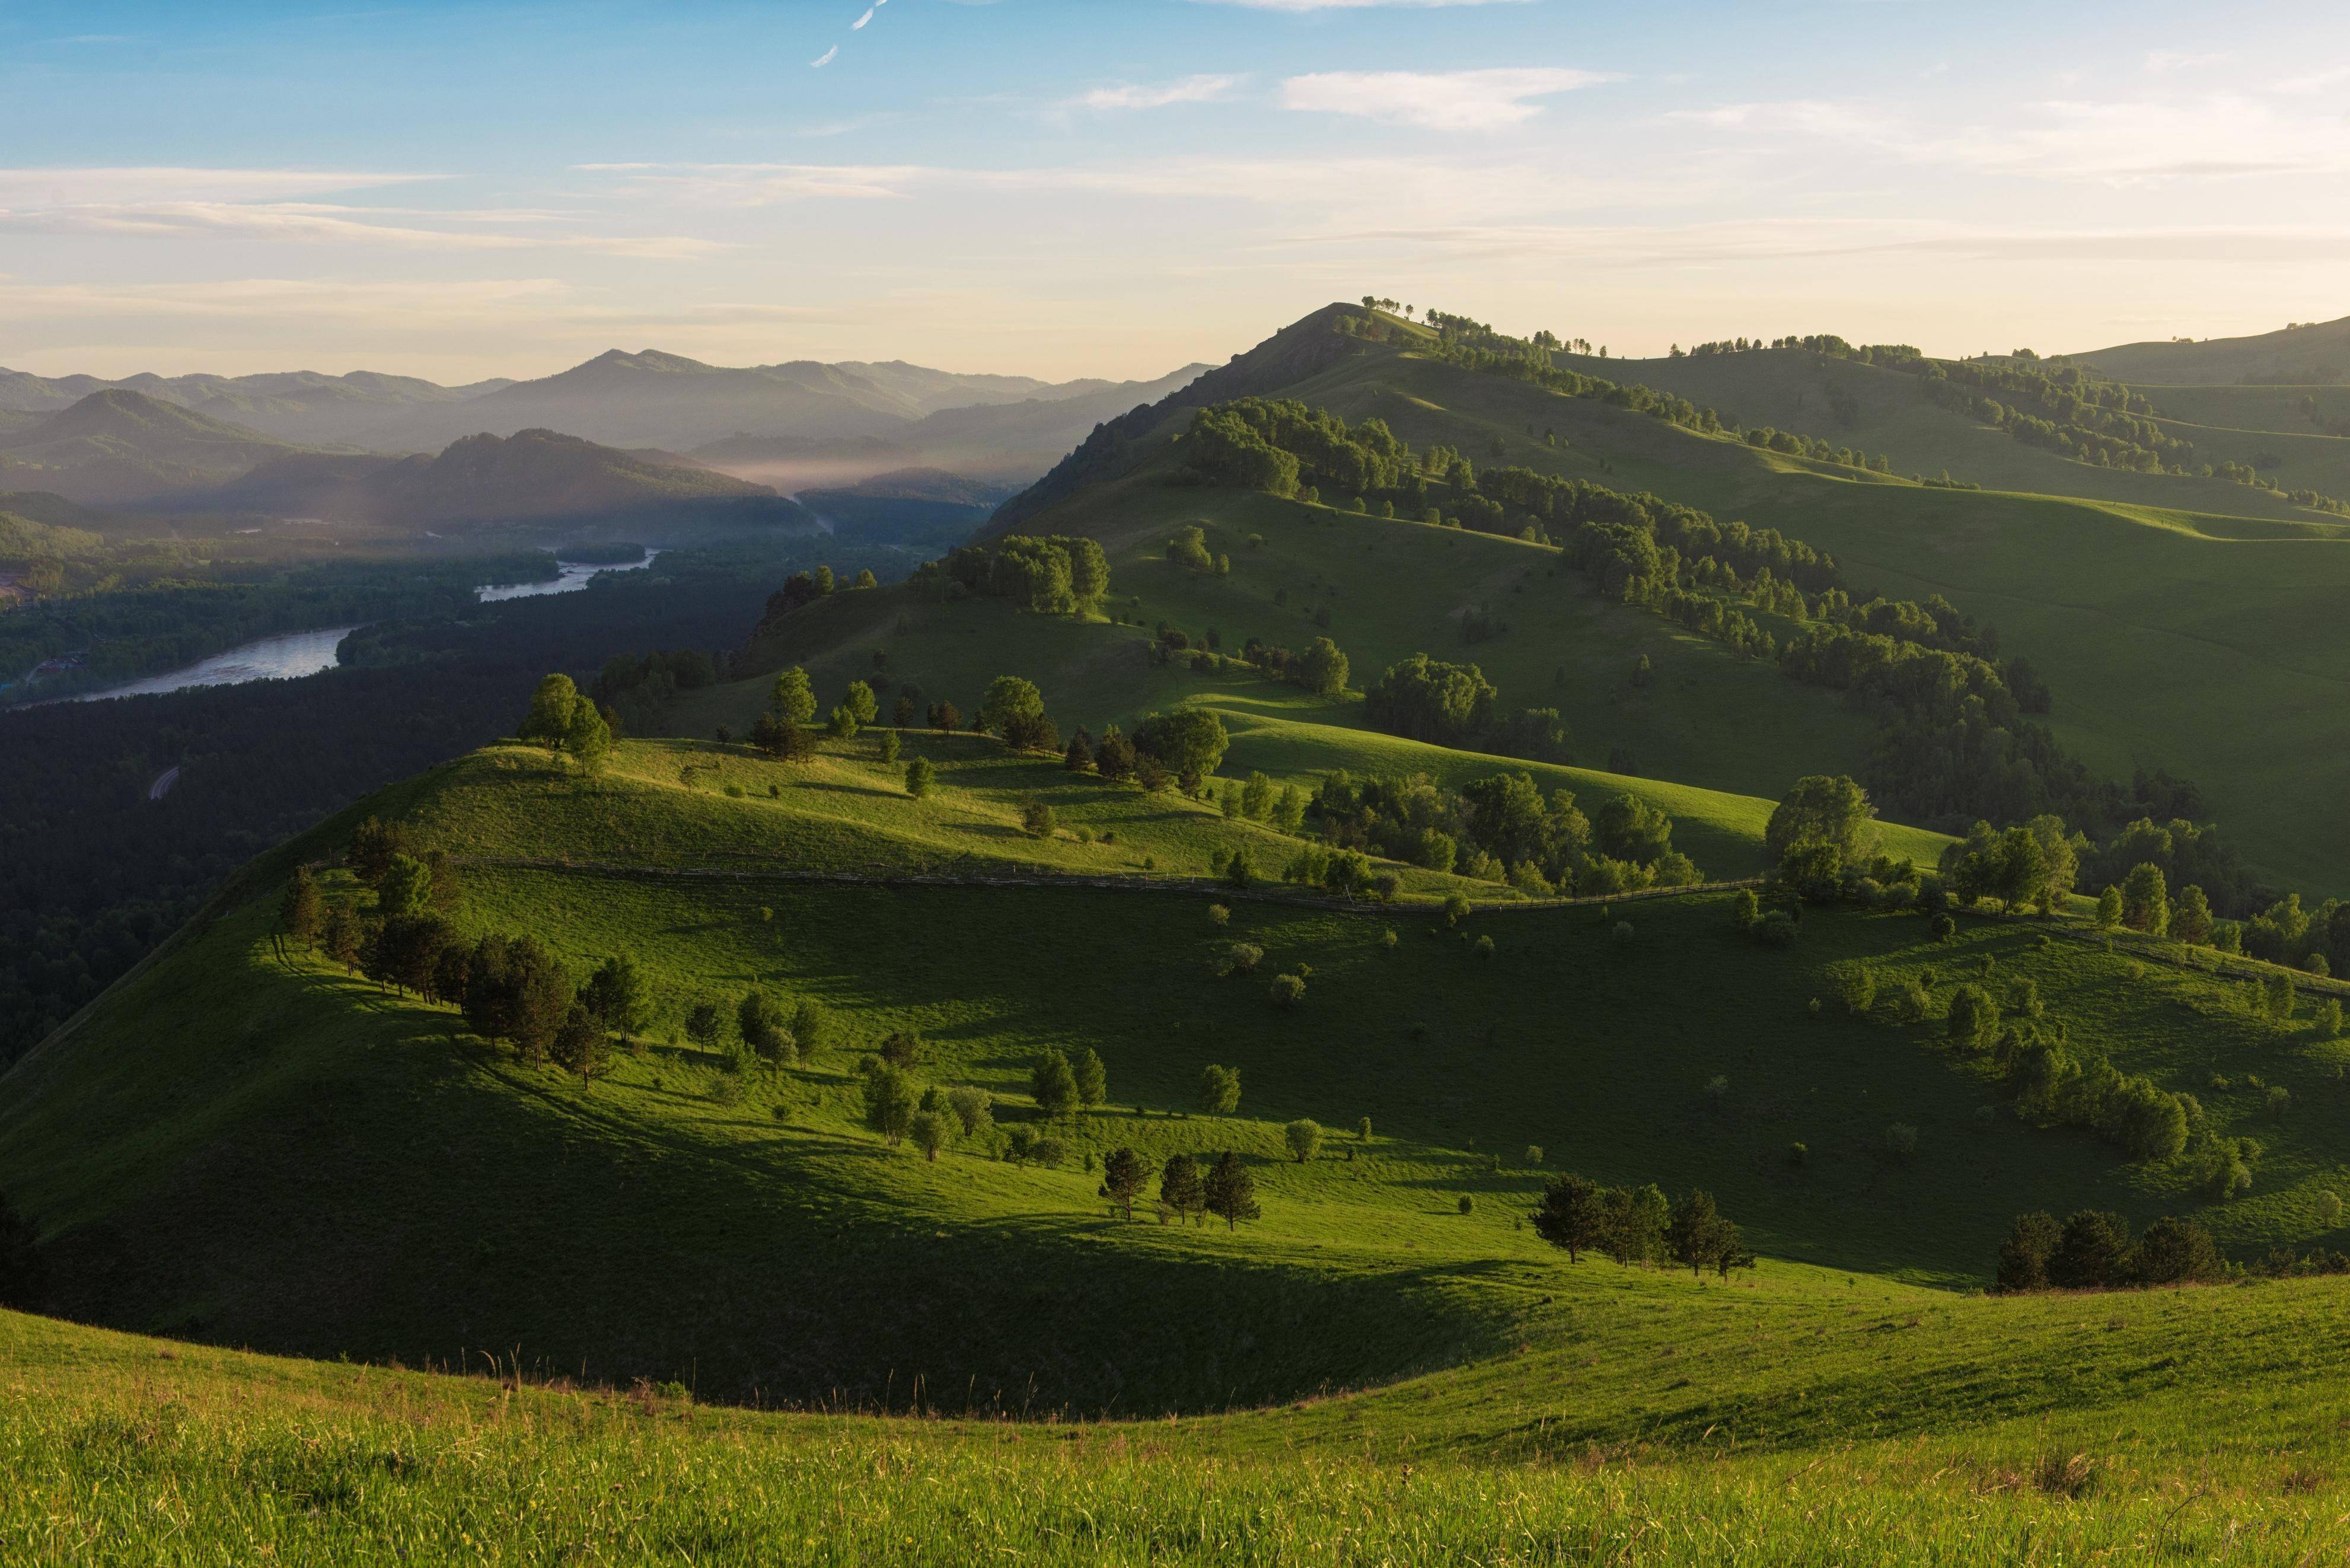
x=1219, y=1090
x=1123, y=1174
x=1322, y=668
x=1180, y=1187
x=589, y=737
x=811, y=1027
x=889, y=1102
x=1014, y=710
x=1303, y=1137
x=1230, y=1191
x=921, y=778
x=1825, y=810
x=550, y=719
x=1571, y=1215
x=1053, y=1084
x=930, y=1131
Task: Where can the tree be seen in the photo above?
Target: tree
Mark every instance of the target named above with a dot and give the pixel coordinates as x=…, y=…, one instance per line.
x=1092, y=1079
x=861, y=703
x=973, y=1110
x=303, y=908
x=2109, y=908
x=24, y=1273
x=550, y=719
x=1188, y=741
x=1179, y=1187
x=1288, y=991
x=1698, y=1235
x=1219, y=1090
x=791, y=701
x=1013, y=708
x=2093, y=1252
x=1123, y=1174
x=1230, y=1191
x=1571, y=1215
x=579, y=1044
x=1053, y=1084
x=1036, y=819
x=930, y=1132
x=945, y=717
x=702, y=1024
x=1974, y=1019
x=889, y=1101
x=2176, y=1251
x=2024, y=1256
x=1322, y=668
x=921, y=778
x=374, y=843
x=589, y=737
x=1632, y=1224
x=886, y=747
x=1303, y=1137
x=515, y=990
x=404, y=890
x=1827, y=810
x=811, y=1027
x=1857, y=986
x=1427, y=700
x=761, y=1024
x=1239, y=871
x=1079, y=757
x=1113, y=758
x=2190, y=918
x=2146, y=906
x=340, y=935
x=902, y=712
x=615, y=995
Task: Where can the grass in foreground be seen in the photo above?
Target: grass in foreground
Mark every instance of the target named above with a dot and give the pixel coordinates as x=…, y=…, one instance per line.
x=121, y=1451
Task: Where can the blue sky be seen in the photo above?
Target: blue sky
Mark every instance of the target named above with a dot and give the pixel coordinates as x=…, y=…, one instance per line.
x=1115, y=187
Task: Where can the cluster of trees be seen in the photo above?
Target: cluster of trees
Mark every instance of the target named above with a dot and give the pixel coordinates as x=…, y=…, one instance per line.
x=1186, y=1190
x=1826, y=343
x=1637, y=1225
x=507, y=989
x=1277, y=444
x=1504, y=829
x=564, y=718
x=1426, y=699
x=2066, y=409
x=1058, y=574
x=1322, y=668
x=2094, y=1251
x=805, y=588
x=1188, y=549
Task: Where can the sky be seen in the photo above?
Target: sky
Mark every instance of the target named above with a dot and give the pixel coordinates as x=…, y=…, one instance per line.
x=1065, y=188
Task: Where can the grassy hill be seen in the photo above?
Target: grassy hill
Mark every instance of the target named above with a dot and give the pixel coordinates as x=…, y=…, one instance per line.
x=2313, y=354
x=2232, y=614
x=246, y=1146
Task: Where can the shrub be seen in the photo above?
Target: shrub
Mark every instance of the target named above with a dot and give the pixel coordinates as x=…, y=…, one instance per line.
x=1288, y=991
x=1468, y=1204
x=921, y=778
x=1303, y=1137
x=1036, y=819
x=1219, y=914
x=1243, y=956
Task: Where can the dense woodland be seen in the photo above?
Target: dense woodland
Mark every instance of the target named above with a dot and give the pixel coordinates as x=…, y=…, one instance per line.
x=93, y=874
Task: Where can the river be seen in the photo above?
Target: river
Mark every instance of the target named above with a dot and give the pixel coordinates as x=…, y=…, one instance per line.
x=291, y=655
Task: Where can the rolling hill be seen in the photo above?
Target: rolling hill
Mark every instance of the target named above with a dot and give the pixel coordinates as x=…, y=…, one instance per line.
x=534, y=476
x=117, y=446
x=2315, y=353
x=2234, y=611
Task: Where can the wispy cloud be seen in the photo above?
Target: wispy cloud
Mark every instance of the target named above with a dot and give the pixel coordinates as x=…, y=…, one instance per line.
x=763, y=184
x=1159, y=95
x=826, y=58
x=280, y=204
x=1436, y=101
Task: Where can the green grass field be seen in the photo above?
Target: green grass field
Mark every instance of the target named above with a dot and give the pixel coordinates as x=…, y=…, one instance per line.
x=241, y=1147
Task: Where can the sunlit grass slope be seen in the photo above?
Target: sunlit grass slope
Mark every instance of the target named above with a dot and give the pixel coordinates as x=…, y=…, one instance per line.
x=254, y=1149
x=2185, y=1428
x=2205, y=644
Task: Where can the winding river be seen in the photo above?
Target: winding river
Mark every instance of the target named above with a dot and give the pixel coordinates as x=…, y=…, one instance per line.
x=290, y=656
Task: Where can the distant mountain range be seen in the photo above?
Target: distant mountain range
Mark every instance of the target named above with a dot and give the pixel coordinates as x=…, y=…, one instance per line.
x=118, y=447
x=648, y=399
